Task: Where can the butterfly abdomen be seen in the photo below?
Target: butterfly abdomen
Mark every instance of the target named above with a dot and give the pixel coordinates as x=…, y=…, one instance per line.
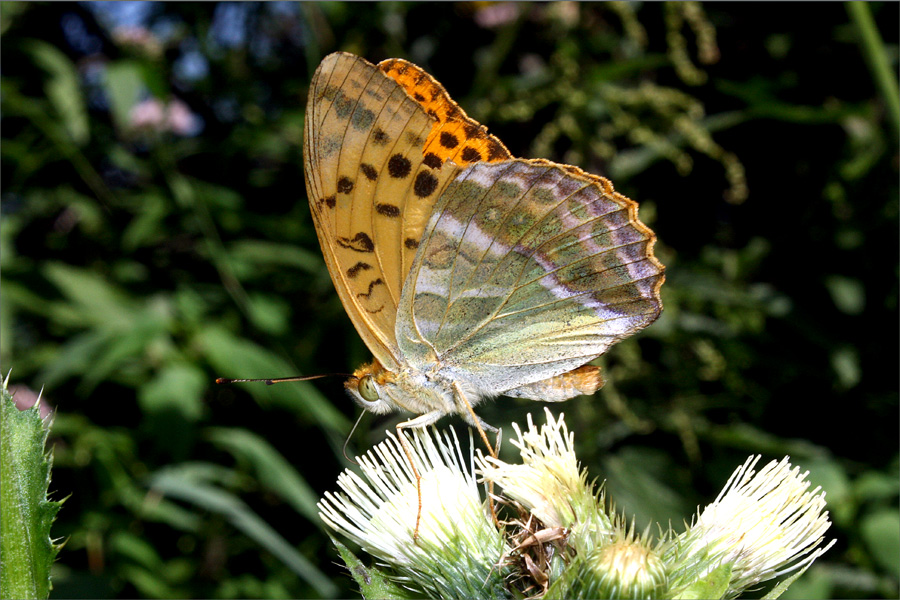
x=582, y=381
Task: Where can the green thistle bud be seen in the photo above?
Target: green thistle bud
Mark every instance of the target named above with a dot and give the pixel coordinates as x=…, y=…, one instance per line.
x=628, y=569
x=625, y=568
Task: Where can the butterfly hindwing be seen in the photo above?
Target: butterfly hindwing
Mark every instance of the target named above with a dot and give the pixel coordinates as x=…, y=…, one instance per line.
x=527, y=270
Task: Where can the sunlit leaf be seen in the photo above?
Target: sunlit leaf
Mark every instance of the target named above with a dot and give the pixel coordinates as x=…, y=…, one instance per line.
x=63, y=88
x=124, y=85
x=881, y=532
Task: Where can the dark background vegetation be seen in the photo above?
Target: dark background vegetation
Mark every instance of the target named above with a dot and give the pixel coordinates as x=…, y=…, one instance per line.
x=142, y=257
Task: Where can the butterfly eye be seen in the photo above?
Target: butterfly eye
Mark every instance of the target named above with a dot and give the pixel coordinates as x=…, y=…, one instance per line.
x=368, y=389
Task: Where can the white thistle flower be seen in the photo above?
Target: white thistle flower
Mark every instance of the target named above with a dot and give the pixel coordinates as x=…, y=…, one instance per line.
x=548, y=474
x=763, y=525
x=550, y=482
x=379, y=509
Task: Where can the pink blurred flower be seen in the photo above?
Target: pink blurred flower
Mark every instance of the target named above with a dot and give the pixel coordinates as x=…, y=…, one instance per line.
x=497, y=15
x=180, y=119
x=25, y=397
x=148, y=114
x=156, y=116
x=138, y=38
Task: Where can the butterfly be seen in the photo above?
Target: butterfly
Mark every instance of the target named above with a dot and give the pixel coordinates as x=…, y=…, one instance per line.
x=467, y=272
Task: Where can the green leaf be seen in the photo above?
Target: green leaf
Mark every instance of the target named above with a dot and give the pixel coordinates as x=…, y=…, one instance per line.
x=269, y=313
x=75, y=358
x=184, y=485
x=263, y=253
x=782, y=586
x=25, y=512
x=129, y=345
x=177, y=388
x=92, y=295
x=147, y=227
x=372, y=582
x=148, y=571
x=63, y=89
x=875, y=486
x=845, y=362
x=273, y=470
x=847, y=293
x=713, y=585
x=173, y=403
x=881, y=532
x=818, y=582
x=123, y=84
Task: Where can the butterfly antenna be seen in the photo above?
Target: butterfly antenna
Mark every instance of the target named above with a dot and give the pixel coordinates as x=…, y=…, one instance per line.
x=347, y=441
x=274, y=380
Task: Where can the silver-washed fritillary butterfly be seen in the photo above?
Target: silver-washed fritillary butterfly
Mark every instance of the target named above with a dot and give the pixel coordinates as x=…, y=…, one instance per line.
x=468, y=273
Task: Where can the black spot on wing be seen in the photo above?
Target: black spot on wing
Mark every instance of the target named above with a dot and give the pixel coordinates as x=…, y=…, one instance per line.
x=345, y=185
x=448, y=140
x=372, y=285
x=432, y=160
x=470, y=154
x=388, y=210
x=355, y=269
x=361, y=242
x=425, y=184
x=369, y=171
x=399, y=166
x=379, y=137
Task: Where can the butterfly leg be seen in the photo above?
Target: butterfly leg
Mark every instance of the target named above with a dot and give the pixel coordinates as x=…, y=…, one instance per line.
x=417, y=423
x=472, y=419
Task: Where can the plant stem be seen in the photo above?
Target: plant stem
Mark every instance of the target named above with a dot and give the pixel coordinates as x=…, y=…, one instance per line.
x=877, y=60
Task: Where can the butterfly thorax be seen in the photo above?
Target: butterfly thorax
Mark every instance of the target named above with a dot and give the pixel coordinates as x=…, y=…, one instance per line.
x=418, y=391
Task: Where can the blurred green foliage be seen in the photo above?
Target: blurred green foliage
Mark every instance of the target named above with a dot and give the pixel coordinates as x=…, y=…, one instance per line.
x=155, y=235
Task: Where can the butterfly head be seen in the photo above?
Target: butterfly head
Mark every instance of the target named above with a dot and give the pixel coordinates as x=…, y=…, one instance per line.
x=367, y=388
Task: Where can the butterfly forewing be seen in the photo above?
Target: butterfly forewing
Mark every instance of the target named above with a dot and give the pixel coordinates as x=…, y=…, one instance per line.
x=527, y=270
x=381, y=145
x=454, y=136
x=370, y=189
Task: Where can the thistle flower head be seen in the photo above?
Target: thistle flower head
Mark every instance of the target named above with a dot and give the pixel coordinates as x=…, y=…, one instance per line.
x=762, y=525
x=456, y=546
x=549, y=482
x=625, y=568
x=563, y=543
